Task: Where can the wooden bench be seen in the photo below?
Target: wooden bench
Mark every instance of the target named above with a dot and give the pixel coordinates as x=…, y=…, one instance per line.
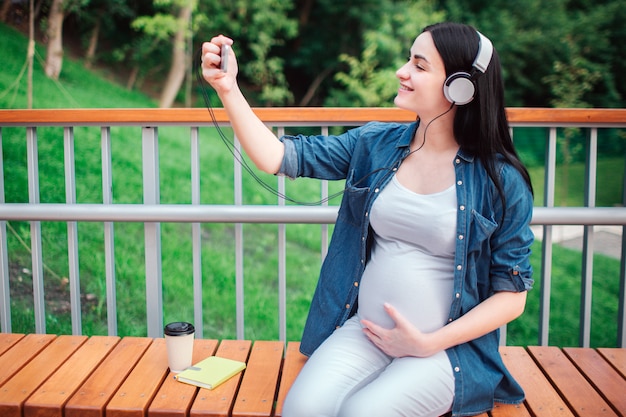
x=47, y=375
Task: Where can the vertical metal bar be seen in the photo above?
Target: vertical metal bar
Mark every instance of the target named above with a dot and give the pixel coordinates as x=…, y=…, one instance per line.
x=5, y=290
x=152, y=233
x=239, y=278
x=588, y=238
x=621, y=312
x=546, y=249
x=282, y=261
x=109, y=238
x=35, y=231
x=324, y=193
x=196, y=234
x=72, y=231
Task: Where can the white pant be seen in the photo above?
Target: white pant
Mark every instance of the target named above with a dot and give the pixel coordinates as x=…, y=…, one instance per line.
x=348, y=376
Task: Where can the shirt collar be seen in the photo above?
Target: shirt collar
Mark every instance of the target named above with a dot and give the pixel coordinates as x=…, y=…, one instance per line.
x=405, y=141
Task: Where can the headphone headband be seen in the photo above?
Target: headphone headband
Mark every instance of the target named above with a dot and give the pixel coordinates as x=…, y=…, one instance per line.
x=485, y=51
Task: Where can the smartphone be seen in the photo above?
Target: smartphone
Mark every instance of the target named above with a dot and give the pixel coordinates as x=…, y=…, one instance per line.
x=224, y=63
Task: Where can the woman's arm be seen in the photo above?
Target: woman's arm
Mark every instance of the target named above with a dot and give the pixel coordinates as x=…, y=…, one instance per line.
x=406, y=340
x=259, y=142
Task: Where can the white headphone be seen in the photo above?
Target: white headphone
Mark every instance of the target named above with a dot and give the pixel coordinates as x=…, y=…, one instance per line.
x=460, y=87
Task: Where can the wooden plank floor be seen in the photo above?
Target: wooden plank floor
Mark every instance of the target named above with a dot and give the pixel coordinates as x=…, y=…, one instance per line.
x=47, y=375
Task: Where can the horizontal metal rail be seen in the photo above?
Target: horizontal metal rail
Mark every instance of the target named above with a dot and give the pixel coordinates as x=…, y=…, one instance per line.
x=179, y=213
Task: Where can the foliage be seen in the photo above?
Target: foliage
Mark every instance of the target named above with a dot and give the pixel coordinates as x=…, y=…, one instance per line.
x=325, y=52
x=258, y=27
x=370, y=80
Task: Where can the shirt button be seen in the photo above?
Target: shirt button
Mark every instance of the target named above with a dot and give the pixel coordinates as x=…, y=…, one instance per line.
x=457, y=295
x=457, y=369
x=356, y=284
x=459, y=267
x=377, y=190
x=450, y=320
x=459, y=182
x=394, y=169
x=367, y=213
x=460, y=237
x=347, y=306
x=457, y=161
x=462, y=208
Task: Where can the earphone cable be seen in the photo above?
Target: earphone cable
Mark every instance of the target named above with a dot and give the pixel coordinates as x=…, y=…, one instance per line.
x=237, y=153
x=239, y=156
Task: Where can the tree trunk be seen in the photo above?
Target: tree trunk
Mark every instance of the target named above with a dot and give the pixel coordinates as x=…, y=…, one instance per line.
x=30, y=54
x=176, y=75
x=54, y=58
x=4, y=11
x=93, y=45
x=132, y=77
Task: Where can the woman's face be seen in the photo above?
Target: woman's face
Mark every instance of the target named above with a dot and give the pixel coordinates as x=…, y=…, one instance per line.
x=422, y=78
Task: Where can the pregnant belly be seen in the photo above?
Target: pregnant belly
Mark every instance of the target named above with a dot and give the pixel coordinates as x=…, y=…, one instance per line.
x=419, y=286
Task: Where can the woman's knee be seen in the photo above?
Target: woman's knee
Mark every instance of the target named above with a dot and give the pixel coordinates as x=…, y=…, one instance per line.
x=300, y=403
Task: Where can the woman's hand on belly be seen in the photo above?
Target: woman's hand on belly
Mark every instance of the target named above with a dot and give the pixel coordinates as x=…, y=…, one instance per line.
x=404, y=339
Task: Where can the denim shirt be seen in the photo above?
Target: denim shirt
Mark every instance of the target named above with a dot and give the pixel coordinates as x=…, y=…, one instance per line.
x=492, y=253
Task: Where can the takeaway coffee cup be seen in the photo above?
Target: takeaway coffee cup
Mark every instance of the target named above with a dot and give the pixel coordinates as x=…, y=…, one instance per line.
x=179, y=342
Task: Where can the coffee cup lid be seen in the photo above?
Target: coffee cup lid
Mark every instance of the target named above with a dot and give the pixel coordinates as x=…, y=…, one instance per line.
x=179, y=328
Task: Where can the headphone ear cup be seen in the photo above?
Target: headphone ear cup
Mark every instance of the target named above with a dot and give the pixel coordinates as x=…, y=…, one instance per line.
x=459, y=88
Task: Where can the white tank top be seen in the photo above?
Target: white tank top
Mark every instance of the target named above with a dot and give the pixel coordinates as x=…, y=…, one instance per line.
x=412, y=260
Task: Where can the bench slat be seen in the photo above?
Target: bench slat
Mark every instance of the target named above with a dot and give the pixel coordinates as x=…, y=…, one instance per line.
x=95, y=393
x=602, y=375
x=292, y=364
x=509, y=410
x=260, y=381
x=135, y=394
x=582, y=397
x=541, y=397
x=50, y=398
x=7, y=340
x=219, y=401
x=175, y=398
x=617, y=358
x=21, y=353
x=14, y=393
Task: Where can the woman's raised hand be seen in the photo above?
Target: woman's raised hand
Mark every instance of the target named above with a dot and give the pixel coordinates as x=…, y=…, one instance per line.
x=221, y=81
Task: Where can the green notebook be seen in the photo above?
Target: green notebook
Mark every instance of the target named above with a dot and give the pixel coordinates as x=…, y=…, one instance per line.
x=210, y=372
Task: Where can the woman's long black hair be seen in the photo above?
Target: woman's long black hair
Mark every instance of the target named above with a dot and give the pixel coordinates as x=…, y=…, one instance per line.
x=480, y=127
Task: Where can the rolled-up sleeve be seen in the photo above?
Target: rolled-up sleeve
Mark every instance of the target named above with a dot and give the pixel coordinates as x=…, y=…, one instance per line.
x=289, y=166
x=511, y=269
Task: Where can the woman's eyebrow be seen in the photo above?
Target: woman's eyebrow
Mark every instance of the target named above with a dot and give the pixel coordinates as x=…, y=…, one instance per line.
x=422, y=57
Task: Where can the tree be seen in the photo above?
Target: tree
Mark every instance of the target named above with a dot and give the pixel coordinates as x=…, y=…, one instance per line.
x=179, y=64
x=4, y=10
x=158, y=29
x=370, y=80
x=100, y=19
x=54, y=56
x=260, y=29
x=54, y=34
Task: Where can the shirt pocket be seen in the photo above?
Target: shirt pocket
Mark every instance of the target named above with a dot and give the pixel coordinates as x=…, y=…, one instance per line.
x=480, y=231
x=354, y=203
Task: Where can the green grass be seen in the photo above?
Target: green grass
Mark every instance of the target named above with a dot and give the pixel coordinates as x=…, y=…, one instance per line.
x=79, y=88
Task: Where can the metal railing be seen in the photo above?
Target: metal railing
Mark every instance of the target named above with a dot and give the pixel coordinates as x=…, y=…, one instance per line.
x=151, y=213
